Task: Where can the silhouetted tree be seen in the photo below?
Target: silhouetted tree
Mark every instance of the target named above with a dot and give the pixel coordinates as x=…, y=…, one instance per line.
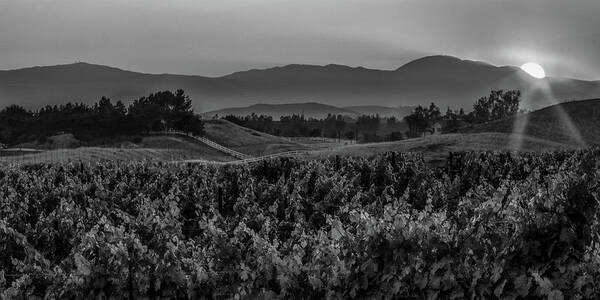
x=191, y=124
x=452, y=120
x=498, y=105
x=158, y=111
x=418, y=121
x=14, y=120
x=368, y=126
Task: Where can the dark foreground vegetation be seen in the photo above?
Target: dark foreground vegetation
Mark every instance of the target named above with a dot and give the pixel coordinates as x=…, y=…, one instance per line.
x=488, y=225
x=156, y=112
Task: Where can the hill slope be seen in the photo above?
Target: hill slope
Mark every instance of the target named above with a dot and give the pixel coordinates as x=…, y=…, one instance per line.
x=155, y=148
x=449, y=81
x=576, y=122
x=435, y=148
x=247, y=141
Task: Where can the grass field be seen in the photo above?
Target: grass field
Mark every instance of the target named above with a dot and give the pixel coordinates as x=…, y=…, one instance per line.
x=186, y=144
x=154, y=148
x=169, y=148
x=96, y=154
x=248, y=141
x=436, y=147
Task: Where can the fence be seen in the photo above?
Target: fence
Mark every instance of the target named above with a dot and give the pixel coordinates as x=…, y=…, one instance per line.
x=207, y=142
x=320, y=139
x=23, y=156
x=247, y=160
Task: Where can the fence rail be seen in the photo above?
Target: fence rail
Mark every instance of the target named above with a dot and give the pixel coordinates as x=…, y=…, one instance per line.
x=207, y=142
x=247, y=160
x=24, y=156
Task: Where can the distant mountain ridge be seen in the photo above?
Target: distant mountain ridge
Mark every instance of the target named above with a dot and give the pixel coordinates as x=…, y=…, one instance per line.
x=310, y=110
x=445, y=80
x=383, y=111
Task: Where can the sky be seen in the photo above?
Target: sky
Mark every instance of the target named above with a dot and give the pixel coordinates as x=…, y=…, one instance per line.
x=218, y=37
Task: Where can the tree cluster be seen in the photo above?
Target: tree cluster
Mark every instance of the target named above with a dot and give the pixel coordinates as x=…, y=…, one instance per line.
x=165, y=111
x=368, y=126
x=333, y=126
x=421, y=119
x=498, y=105
x=160, y=111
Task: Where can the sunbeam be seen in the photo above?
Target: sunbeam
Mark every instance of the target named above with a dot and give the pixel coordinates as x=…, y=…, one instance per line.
x=520, y=122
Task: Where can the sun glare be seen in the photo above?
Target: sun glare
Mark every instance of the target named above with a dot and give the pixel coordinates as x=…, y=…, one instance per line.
x=534, y=70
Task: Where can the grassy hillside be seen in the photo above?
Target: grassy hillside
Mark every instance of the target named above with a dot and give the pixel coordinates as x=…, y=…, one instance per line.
x=185, y=144
x=154, y=148
x=246, y=140
x=158, y=148
x=550, y=123
x=563, y=126
x=436, y=147
x=97, y=154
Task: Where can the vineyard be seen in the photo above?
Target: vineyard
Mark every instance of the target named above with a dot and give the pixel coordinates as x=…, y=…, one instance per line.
x=486, y=225
x=99, y=154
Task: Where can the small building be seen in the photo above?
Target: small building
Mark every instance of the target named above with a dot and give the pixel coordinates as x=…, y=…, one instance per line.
x=434, y=129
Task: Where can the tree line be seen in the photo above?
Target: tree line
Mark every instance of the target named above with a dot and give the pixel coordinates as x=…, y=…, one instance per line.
x=159, y=111
x=167, y=110
x=365, y=128
x=373, y=128
x=498, y=105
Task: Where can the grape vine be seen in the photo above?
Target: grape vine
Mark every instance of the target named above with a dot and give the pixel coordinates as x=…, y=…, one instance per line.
x=486, y=225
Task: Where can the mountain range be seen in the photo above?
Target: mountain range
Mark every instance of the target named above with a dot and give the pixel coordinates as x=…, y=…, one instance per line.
x=447, y=81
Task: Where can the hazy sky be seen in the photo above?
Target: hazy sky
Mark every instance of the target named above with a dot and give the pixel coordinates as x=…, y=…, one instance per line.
x=216, y=37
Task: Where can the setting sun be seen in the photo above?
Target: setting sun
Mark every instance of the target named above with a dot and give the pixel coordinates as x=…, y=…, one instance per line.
x=534, y=70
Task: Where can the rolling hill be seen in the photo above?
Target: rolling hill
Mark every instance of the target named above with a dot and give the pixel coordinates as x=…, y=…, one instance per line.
x=153, y=148
x=437, y=146
x=576, y=123
x=157, y=147
x=446, y=80
x=568, y=125
x=246, y=140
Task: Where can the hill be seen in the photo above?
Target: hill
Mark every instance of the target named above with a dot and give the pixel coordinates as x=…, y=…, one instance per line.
x=151, y=148
x=567, y=125
x=309, y=110
x=449, y=81
x=246, y=140
x=435, y=148
x=576, y=122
